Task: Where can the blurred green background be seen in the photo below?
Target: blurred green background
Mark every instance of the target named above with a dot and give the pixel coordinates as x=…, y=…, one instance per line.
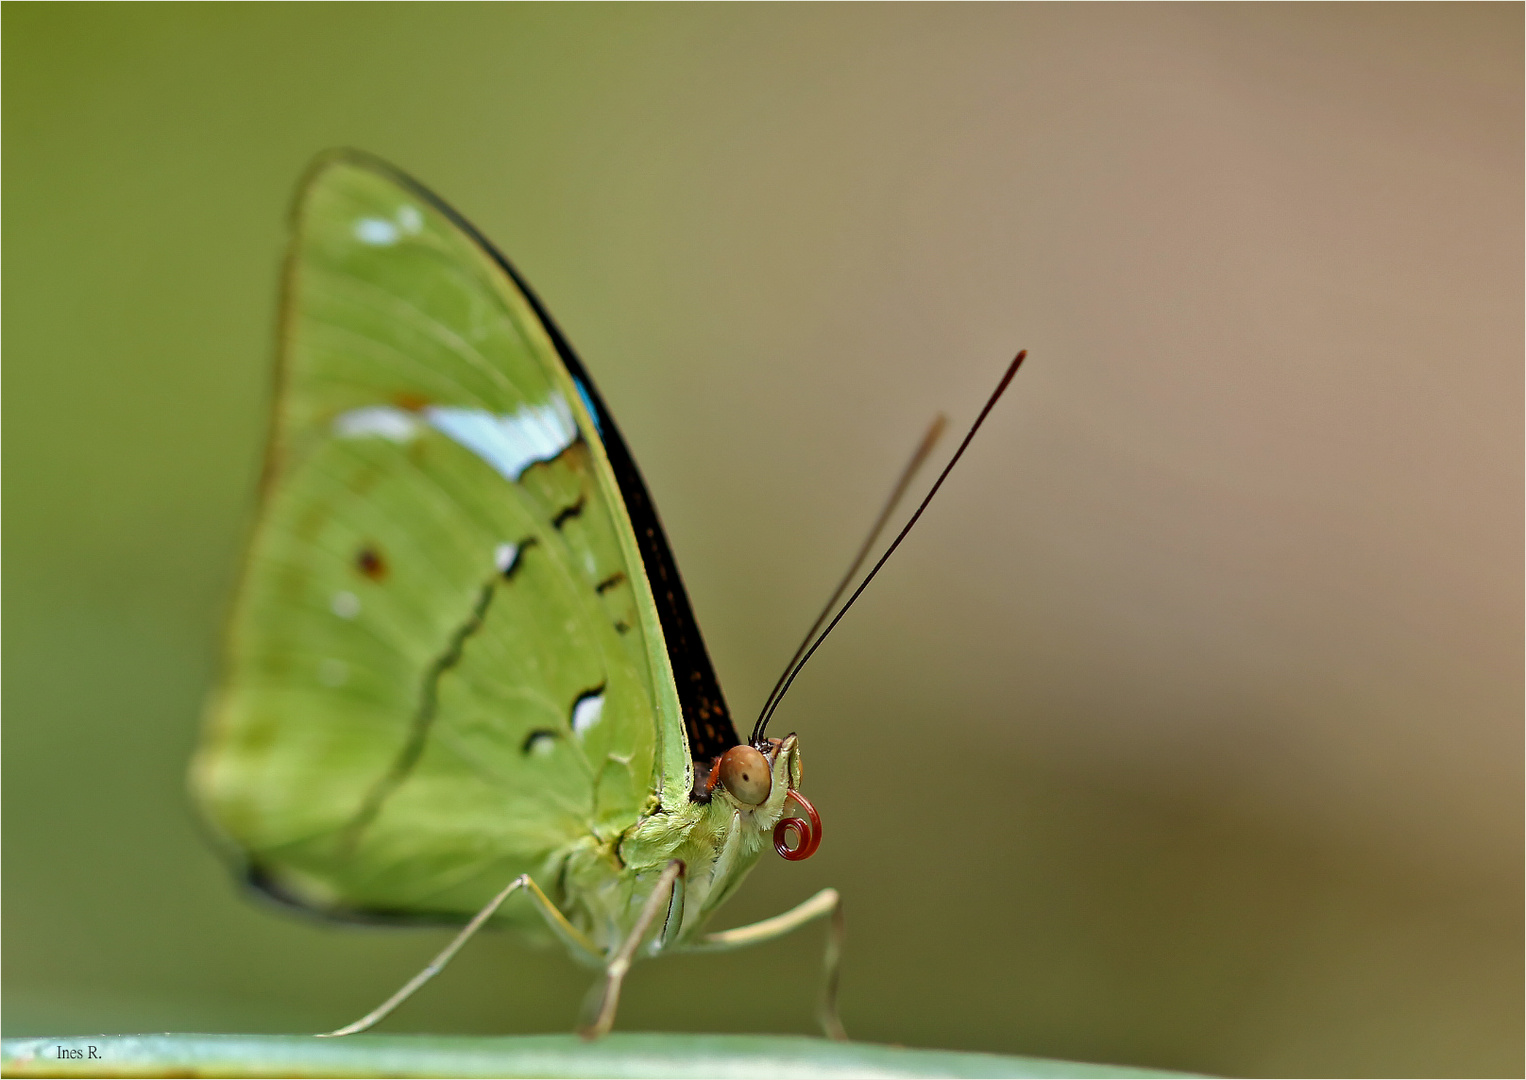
x=1185, y=731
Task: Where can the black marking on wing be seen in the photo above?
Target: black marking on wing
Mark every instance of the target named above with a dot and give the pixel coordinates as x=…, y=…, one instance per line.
x=568, y=512
x=584, y=696
x=536, y=736
x=508, y=572
x=706, y=718
x=423, y=719
x=609, y=582
x=622, y=627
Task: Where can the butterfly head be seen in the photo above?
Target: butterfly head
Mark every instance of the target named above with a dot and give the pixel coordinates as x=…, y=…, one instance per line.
x=762, y=780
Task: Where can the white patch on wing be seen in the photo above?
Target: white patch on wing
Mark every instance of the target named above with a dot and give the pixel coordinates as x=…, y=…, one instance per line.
x=387, y=421
x=586, y=713
x=345, y=604
x=382, y=232
x=510, y=444
x=376, y=231
x=504, y=556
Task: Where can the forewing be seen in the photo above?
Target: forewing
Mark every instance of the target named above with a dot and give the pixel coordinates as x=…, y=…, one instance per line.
x=444, y=668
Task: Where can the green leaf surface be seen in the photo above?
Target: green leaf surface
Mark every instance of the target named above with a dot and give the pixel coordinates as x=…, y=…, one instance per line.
x=619, y=1055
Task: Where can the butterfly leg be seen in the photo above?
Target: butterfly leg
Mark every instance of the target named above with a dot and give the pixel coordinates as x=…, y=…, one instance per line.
x=571, y=935
x=667, y=892
x=825, y=903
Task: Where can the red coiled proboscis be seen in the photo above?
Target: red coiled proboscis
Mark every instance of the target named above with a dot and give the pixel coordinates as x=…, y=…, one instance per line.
x=807, y=836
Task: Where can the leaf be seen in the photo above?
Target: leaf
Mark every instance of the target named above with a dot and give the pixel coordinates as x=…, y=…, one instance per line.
x=618, y=1055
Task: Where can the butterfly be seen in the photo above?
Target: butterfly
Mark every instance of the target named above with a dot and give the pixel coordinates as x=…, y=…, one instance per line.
x=461, y=663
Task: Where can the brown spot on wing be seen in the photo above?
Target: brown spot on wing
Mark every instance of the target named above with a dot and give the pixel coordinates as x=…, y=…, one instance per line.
x=369, y=561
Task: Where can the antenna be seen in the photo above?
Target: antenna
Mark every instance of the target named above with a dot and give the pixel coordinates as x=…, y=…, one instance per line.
x=934, y=430
x=789, y=678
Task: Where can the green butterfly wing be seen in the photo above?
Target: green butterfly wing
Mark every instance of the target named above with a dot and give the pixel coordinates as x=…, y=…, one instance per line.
x=447, y=664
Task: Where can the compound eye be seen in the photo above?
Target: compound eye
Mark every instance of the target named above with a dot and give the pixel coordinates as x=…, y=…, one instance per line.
x=746, y=775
